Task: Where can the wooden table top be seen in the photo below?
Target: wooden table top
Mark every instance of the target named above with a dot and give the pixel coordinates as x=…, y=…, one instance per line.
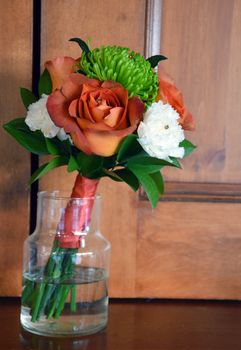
x=139, y=325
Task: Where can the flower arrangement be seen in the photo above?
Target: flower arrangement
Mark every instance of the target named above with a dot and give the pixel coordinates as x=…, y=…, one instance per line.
x=110, y=114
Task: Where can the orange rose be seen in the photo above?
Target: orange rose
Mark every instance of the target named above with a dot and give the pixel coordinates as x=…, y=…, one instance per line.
x=98, y=115
x=169, y=93
x=59, y=69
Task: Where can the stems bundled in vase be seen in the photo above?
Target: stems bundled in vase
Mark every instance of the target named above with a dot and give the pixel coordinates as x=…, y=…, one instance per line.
x=48, y=296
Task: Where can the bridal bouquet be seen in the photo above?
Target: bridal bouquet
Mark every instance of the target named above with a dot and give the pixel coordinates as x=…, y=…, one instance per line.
x=109, y=113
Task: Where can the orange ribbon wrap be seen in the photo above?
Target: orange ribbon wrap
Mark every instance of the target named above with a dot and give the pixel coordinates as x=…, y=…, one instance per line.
x=77, y=214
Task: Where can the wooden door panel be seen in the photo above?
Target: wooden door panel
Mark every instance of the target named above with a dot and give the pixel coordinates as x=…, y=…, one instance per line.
x=16, y=67
x=202, y=41
x=189, y=247
x=189, y=250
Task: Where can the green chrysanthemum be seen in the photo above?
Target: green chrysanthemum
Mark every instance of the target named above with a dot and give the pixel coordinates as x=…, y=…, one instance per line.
x=124, y=66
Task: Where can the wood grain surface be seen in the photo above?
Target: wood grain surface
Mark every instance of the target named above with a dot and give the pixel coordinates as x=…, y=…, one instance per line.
x=202, y=40
x=188, y=249
x=139, y=326
x=200, y=257
x=15, y=67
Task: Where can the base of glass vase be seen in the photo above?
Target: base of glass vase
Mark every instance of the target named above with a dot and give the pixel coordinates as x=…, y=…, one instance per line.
x=65, y=326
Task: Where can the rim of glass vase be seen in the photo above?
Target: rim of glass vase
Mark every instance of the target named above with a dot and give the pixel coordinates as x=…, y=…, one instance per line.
x=65, y=195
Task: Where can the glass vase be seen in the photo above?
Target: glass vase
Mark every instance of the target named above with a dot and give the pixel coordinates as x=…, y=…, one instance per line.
x=66, y=268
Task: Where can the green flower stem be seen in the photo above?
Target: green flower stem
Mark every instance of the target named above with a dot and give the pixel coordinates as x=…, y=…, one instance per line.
x=64, y=293
x=48, y=292
x=49, y=296
x=35, y=313
x=27, y=291
x=73, y=307
x=53, y=306
x=42, y=298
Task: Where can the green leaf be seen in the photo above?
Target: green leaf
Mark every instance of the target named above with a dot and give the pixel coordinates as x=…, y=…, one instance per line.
x=45, y=84
x=109, y=162
x=188, y=147
x=84, y=47
x=150, y=162
x=90, y=166
x=52, y=146
x=72, y=165
x=158, y=179
x=111, y=174
x=128, y=177
x=125, y=175
x=175, y=163
x=45, y=168
x=150, y=168
x=154, y=60
x=80, y=71
x=57, y=147
x=27, y=97
x=33, y=141
x=148, y=184
x=129, y=147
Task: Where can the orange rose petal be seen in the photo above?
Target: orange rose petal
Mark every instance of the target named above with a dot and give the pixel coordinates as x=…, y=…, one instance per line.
x=123, y=98
x=122, y=124
x=86, y=124
x=73, y=108
x=114, y=116
x=79, y=79
x=80, y=141
x=169, y=93
x=117, y=90
x=110, y=98
x=123, y=133
x=71, y=90
x=92, y=101
x=59, y=69
x=110, y=84
x=135, y=110
x=102, y=143
x=100, y=112
x=103, y=106
x=86, y=111
x=90, y=85
x=187, y=121
x=58, y=110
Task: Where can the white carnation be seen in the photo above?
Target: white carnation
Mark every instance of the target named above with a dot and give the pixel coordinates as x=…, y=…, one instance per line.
x=38, y=119
x=159, y=133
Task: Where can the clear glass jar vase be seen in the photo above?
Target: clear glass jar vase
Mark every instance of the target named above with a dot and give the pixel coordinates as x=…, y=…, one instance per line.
x=66, y=268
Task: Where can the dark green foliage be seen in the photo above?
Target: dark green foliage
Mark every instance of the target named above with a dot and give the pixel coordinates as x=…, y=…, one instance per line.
x=154, y=60
x=45, y=84
x=27, y=97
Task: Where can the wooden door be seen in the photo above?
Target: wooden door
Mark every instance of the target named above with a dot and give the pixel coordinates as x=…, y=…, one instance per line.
x=189, y=246
x=16, y=68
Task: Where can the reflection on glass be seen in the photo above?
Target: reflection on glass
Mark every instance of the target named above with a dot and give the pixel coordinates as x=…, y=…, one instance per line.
x=36, y=342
